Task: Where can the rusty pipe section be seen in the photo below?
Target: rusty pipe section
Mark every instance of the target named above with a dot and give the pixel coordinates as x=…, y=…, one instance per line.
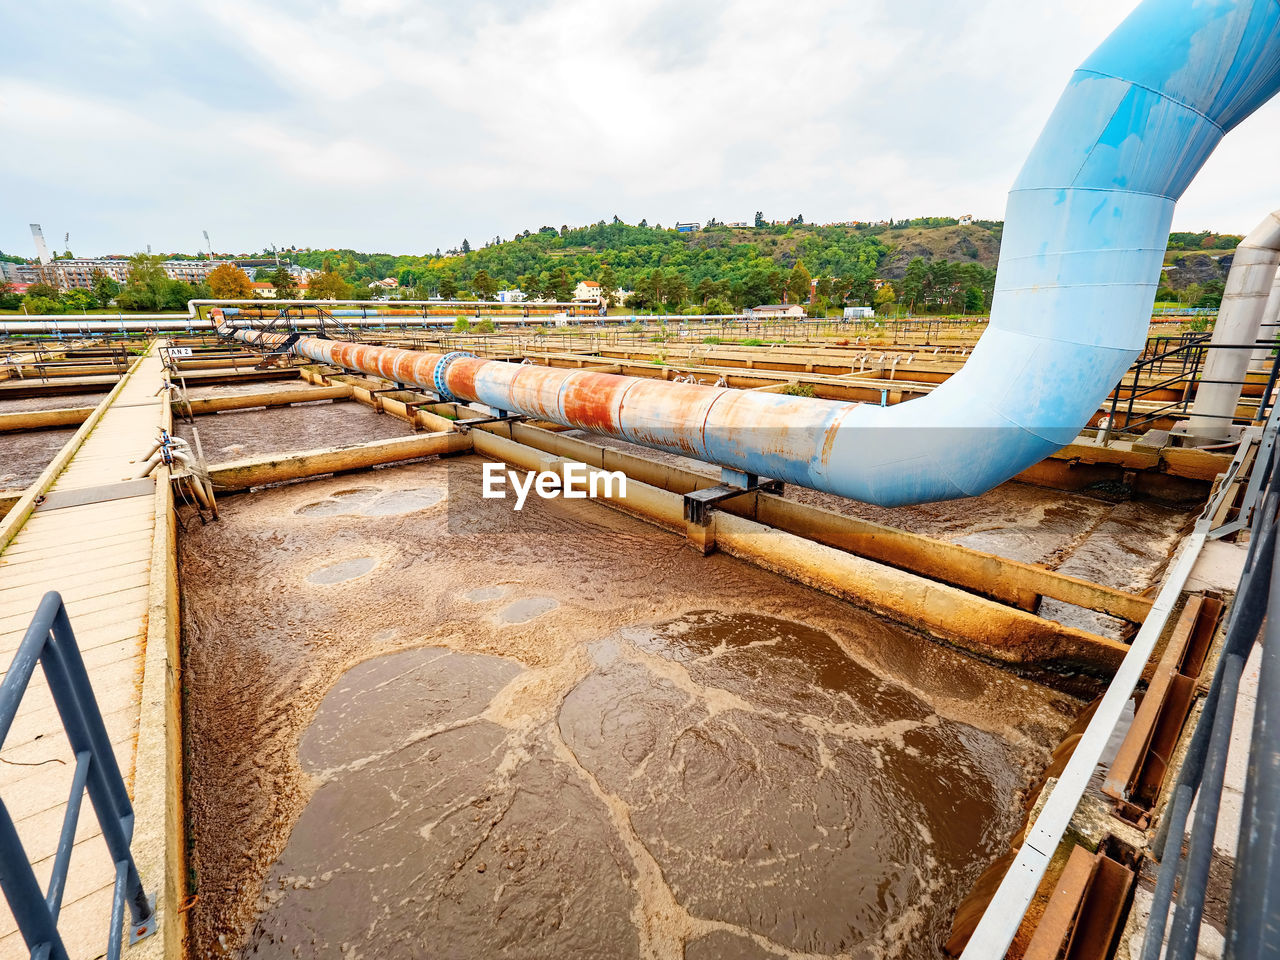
x=1085, y=231
x=796, y=439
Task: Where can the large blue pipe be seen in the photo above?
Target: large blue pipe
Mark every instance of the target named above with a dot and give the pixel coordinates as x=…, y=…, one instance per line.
x=1085, y=232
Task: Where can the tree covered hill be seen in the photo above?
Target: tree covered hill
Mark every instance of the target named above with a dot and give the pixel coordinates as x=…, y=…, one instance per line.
x=720, y=266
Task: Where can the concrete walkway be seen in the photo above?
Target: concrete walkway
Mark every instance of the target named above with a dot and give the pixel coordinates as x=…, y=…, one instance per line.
x=91, y=540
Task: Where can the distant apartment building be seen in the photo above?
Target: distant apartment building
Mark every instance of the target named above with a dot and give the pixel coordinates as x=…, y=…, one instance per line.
x=740, y=223
x=688, y=227
x=77, y=273
x=966, y=220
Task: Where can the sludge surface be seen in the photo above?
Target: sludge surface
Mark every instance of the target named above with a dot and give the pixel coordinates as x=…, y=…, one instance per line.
x=686, y=756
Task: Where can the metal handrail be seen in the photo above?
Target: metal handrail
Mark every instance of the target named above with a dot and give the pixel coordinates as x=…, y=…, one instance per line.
x=1186, y=355
x=50, y=642
x=1253, y=927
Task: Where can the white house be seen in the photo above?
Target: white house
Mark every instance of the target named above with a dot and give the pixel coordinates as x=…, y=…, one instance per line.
x=587, y=290
x=388, y=283
x=966, y=220
x=768, y=311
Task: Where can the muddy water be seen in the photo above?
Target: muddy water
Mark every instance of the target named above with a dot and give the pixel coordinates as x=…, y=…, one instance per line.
x=23, y=456
x=684, y=755
x=248, y=433
x=244, y=389
x=1124, y=545
x=52, y=402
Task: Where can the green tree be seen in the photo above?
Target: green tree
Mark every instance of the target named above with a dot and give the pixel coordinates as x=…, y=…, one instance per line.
x=561, y=287
x=285, y=284
x=147, y=286
x=608, y=285
x=466, y=246
x=46, y=291
x=328, y=286
x=759, y=218
x=799, y=283
x=104, y=288
x=80, y=300
x=1211, y=296
x=883, y=298
x=913, y=282
x=530, y=285
x=448, y=287
x=484, y=285
x=9, y=300
x=42, y=305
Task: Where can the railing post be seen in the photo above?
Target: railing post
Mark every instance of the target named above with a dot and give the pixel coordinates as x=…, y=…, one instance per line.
x=50, y=641
x=24, y=896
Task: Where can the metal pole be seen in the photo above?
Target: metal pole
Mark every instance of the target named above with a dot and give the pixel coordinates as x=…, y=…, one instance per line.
x=1190, y=910
x=1253, y=922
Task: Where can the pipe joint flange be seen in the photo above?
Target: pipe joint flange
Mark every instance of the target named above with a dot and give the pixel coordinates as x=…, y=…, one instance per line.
x=437, y=377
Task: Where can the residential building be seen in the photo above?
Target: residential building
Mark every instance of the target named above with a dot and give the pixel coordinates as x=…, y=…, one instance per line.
x=77, y=273
x=514, y=295
x=268, y=292
x=740, y=223
x=587, y=290
x=688, y=227
x=966, y=220
x=859, y=313
x=385, y=284
x=769, y=311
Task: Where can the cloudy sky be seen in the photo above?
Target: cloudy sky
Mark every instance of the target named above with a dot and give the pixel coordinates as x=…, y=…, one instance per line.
x=406, y=126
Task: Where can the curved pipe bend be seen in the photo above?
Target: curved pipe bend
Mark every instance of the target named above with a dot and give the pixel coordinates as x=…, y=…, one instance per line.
x=1085, y=231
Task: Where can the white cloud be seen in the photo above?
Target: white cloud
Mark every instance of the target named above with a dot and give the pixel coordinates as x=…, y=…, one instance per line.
x=391, y=125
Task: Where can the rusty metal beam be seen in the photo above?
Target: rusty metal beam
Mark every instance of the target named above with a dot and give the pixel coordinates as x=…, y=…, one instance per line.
x=1137, y=773
x=1083, y=915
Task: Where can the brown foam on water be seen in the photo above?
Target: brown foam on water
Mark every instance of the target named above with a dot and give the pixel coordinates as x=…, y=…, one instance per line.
x=372, y=502
x=686, y=754
x=485, y=594
x=526, y=609
x=343, y=570
x=717, y=774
